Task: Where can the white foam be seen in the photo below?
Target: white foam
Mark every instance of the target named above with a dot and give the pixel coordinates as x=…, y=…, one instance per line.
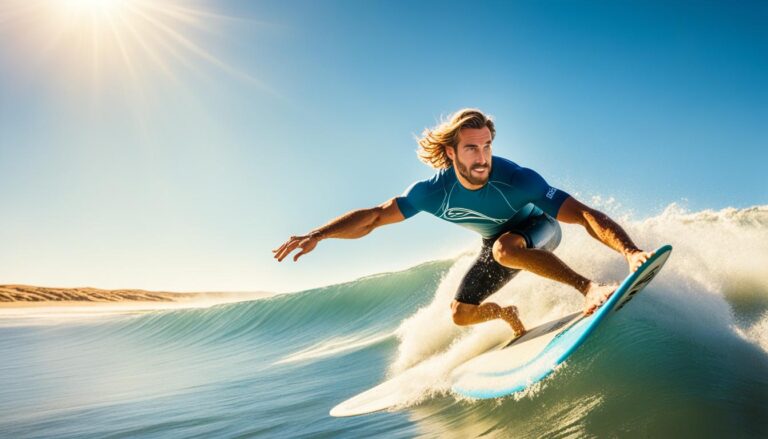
x=759, y=332
x=713, y=252
x=334, y=346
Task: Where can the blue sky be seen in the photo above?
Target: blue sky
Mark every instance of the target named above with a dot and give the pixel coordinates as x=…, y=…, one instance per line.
x=180, y=160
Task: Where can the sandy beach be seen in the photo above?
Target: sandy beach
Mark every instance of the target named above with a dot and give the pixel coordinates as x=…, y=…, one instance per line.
x=23, y=296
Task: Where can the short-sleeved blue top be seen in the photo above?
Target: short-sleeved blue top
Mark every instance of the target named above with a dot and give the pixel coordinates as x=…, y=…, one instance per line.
x=512, y=194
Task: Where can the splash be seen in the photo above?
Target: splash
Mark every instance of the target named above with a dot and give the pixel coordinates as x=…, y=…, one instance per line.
x=719, y=261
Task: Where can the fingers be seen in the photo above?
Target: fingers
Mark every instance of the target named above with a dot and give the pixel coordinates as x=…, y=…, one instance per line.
x=303, y=251
x=279, y=249
x=304, y=242
x=286, y=249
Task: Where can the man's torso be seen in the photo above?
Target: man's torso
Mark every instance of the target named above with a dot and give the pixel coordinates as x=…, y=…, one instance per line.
x=512, y=194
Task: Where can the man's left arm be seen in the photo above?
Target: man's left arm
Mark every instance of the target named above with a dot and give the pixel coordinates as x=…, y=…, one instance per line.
x=604, y=229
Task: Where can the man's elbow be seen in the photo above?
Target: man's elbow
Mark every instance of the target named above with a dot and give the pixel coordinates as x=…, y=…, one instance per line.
x=375, y=218
x=574, y=212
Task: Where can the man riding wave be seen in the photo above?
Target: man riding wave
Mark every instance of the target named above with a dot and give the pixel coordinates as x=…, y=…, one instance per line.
x=513, y=208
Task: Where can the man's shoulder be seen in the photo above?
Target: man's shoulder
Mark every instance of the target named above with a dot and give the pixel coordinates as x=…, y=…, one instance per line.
x=438, y=179
x=435, y=183
x=504, y=168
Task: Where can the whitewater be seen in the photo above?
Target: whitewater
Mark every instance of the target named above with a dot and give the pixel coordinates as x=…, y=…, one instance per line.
x=688, y=357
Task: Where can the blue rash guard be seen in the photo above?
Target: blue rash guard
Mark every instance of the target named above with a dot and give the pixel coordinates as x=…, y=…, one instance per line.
x=512, y=195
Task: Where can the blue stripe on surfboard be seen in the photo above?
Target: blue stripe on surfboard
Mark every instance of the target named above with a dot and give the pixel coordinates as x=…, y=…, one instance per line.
x=563, y=339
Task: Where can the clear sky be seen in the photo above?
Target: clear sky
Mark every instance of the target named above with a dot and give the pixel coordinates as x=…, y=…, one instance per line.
x=171, y=145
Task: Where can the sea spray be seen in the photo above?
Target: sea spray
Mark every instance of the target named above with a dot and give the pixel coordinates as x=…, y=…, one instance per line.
x=713, y=250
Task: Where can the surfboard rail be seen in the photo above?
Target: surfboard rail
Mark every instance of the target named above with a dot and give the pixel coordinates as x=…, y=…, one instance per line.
x=487, y=376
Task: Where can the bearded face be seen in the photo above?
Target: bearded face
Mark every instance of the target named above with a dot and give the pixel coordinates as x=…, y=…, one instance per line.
x=472, y=157
x=475, y=174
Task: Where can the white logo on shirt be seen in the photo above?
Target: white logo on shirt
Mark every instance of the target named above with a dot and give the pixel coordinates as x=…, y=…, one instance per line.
x=551, y=193
x=460, y=213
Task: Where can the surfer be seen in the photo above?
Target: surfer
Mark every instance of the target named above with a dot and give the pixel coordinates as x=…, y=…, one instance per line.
x=513, y=208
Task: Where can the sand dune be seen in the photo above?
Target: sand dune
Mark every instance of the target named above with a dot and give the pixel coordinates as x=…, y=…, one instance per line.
x=15, y=295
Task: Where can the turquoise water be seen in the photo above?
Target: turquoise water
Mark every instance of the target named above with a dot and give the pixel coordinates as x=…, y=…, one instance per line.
x=688, y=357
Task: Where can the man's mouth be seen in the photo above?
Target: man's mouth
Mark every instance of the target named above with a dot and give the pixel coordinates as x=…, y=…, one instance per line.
x=480, y=168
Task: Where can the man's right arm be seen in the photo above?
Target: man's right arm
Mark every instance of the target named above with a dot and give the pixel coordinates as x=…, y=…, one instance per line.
x=351, y=225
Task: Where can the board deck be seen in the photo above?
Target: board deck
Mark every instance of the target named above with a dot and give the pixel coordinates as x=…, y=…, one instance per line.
x=387, y=394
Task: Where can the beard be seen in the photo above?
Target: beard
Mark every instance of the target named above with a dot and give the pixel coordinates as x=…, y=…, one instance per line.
x=465, y=172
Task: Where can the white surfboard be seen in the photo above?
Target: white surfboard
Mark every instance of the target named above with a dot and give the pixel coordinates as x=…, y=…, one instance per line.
x=395, y=391
x=408, y=385
x=381, y=397
x=534, y=356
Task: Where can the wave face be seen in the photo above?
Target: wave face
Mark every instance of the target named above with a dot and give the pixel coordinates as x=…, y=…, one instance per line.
x=689, y=357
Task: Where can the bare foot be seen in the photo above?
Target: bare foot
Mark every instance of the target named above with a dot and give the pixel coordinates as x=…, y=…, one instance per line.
x=596, y=296
x=509, y=315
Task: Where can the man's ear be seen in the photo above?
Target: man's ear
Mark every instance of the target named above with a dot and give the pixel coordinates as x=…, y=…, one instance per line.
x=451, y=153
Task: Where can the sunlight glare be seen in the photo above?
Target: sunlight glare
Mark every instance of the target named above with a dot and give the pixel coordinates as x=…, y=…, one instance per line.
x=98, y=44
x=94, y=8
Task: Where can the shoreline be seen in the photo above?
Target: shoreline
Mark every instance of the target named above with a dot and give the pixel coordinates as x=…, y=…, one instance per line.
x=28, y=296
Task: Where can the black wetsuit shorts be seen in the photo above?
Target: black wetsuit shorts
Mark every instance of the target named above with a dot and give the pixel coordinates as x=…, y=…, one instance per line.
x=486, y=276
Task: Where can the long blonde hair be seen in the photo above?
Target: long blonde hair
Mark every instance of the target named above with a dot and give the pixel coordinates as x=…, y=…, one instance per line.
x=434, y=141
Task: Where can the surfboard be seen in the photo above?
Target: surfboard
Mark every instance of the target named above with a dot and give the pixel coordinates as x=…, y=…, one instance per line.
x=385, y=395
x=514, y=364
x=532, y=357
x=392, y=392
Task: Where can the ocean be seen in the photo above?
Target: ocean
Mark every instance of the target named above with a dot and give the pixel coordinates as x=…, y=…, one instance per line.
x=688, y=357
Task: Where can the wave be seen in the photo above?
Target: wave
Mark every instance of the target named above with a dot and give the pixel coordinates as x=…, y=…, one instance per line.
x=714, y=287
x=711, y=298
x=695, y=343
x=715, y=284
x=713, y=294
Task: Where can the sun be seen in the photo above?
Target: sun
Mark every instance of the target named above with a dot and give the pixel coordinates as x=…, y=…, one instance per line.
x=103, y=43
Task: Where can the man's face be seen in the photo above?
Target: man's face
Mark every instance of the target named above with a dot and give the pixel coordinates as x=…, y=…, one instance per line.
x=472, y=157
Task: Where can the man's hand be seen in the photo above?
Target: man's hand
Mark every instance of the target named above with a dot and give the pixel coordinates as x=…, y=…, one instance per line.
x=636, y=258
x=306, y=243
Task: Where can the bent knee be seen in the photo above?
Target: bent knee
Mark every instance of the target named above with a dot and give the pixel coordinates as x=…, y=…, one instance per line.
x=461, y=312
x=508, y=248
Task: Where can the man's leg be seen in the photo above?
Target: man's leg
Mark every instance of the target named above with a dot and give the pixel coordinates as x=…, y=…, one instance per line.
x=484, y=277
x=508, y=252
x=467, y=314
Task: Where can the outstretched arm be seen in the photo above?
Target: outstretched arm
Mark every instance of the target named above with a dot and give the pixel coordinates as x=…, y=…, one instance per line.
x=351, y=225
x=604, y=229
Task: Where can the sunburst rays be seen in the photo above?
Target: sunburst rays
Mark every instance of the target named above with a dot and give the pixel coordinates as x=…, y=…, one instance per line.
x=102, y=42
